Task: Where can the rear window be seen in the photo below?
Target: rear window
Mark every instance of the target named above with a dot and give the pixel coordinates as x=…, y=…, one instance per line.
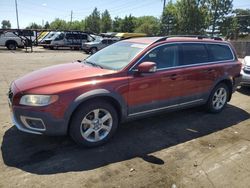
x=220, y=52
x=194, y=53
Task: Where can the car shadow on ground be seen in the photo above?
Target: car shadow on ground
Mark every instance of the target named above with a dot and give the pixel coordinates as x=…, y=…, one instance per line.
x=50, y=155
x=244, y=90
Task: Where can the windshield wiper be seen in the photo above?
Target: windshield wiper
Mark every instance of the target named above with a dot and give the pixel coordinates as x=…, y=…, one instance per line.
x=93, y=64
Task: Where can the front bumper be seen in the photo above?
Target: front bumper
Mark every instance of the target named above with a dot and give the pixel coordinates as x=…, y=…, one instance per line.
x=245, y=78
x=22, y=119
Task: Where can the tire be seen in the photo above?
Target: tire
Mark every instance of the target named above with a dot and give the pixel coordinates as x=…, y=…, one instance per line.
x=11, y=45
x=88, y=128
x=51, y=47
x=93, y=50
x=218, y=98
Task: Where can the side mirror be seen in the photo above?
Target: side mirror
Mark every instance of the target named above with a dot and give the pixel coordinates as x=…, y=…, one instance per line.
x=147, y=67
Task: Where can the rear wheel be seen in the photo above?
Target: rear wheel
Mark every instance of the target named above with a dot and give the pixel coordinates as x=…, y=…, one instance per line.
x=94, y=123
x=218, y=98
x=11, y=45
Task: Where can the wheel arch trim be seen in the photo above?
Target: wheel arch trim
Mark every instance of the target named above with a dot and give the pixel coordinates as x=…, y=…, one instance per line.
x=96, y=94
x=225, y=78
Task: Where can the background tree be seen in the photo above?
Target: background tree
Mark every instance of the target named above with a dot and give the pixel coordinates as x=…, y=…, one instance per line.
x=169, y=20
x=230, y=27
x=243, y=19
x=191, y=16
x=77, y=25
x=116, y=24
x=6, y=24
x=34, y=25
x=106, y=22
x=58, y=24
x=218, y=9
x=93, y=22
x=147, y=24
x=128, y=24
x=46, y=26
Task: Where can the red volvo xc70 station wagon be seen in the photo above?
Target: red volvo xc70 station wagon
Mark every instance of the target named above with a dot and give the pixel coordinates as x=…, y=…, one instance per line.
x=129, y=79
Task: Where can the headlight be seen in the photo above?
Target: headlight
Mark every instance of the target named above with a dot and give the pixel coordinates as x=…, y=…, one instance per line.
x=38, y=100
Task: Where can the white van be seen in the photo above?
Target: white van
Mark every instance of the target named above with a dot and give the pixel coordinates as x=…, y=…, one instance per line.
x=70, y=39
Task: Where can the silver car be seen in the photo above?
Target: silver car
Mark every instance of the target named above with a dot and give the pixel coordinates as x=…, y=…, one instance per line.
x=98, y=44
x=245, y=72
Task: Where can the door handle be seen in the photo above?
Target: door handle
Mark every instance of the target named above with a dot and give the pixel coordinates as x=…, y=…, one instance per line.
x=209, y=71
x=173, y=76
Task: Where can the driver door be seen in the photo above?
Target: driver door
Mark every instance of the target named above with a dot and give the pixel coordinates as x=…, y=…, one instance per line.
x=149, y=92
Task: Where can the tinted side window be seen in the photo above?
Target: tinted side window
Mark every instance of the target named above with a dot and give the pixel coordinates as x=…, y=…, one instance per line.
x=220, y=52
x=104, y=41
x=110, y=41
x=164, y=56
x=69, y=36
x=194, y=53
x=84, y=37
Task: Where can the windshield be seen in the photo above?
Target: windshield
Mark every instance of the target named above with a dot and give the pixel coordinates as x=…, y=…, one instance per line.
x=116, y=56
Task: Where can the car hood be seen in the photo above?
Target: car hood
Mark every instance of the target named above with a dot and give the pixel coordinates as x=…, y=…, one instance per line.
x=59, y=74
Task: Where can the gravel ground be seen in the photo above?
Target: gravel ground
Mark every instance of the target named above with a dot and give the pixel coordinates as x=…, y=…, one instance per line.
x=188, y=148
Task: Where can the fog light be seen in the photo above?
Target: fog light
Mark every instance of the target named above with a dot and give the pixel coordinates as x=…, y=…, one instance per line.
x=33, y=123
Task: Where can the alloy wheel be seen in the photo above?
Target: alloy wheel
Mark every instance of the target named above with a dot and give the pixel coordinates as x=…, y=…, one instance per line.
x=96, y=125
x=219, y=98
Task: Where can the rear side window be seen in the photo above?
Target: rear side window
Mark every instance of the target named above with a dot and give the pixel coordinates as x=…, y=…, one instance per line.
x=194, y=53
x=220, y=52
x=83, y=36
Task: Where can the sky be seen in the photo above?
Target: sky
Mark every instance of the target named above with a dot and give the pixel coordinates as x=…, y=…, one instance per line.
x=40, y=11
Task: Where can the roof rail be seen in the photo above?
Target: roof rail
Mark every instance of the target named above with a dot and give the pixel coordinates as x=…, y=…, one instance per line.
x=161, y=39
x=188, y=36
x=197, y=36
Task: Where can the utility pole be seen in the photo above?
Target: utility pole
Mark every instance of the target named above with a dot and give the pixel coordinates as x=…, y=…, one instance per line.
x=71, y=16
x=164, y=5
x=17, y=15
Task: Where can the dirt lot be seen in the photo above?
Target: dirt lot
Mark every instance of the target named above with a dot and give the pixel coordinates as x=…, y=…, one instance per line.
x=189, y=148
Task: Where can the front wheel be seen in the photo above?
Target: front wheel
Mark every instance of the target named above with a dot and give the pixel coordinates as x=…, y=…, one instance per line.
x=218, y=98
x=94, y=123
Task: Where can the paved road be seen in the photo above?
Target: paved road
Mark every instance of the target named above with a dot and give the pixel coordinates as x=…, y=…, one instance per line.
x=189, y=148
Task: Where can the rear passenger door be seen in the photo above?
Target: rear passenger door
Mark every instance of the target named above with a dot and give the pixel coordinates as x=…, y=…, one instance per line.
x=197, y=73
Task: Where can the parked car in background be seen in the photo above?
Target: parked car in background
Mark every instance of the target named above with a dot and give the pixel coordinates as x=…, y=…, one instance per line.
x=71, y=39
x=245, y=72
x=10, y=40
x=46, y=41
x=42, y=36
x=129, y=79
x=97, y=44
